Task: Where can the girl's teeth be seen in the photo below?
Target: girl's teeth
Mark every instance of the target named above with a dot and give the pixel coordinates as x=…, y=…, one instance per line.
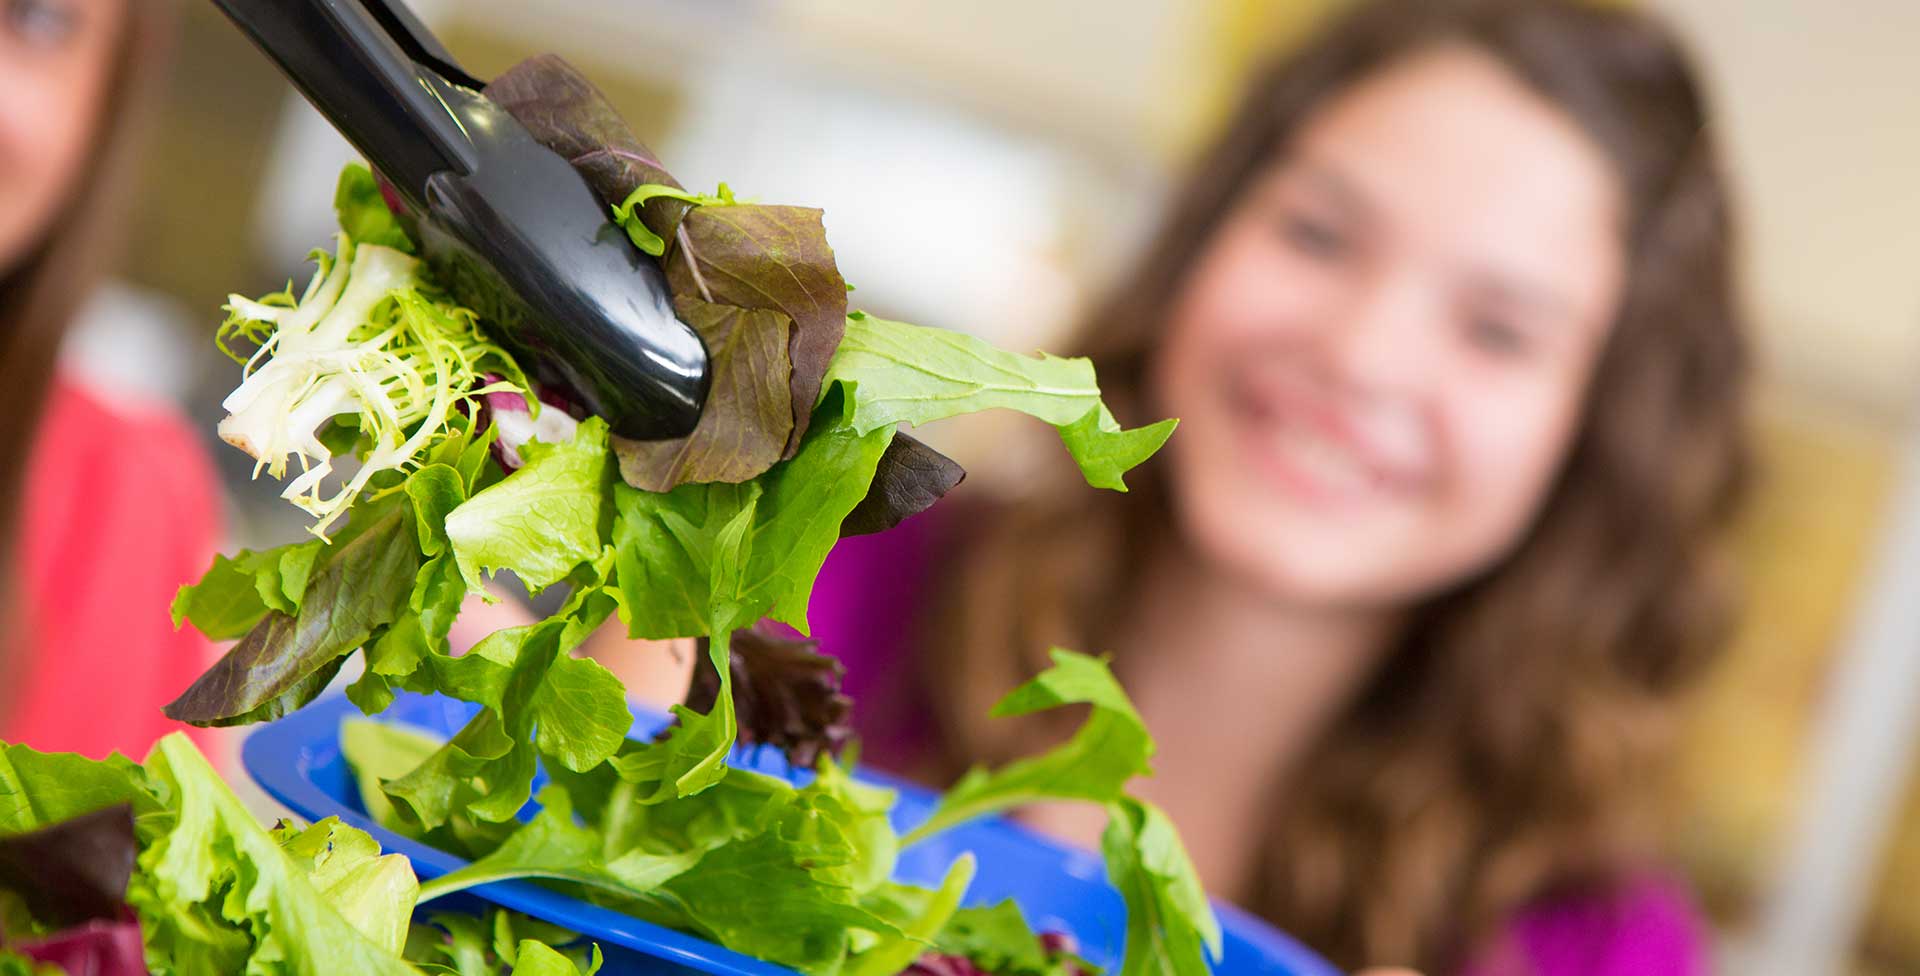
x=1327, y=460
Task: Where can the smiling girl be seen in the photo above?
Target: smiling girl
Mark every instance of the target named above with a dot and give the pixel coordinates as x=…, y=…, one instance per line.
x=1447, y=316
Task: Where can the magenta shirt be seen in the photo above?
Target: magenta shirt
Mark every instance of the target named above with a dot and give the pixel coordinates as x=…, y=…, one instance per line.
x=863, y=613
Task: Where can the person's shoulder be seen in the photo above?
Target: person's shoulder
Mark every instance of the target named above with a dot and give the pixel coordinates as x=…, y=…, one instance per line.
x=79, y=412
x=103, y=438
x=1649, y=925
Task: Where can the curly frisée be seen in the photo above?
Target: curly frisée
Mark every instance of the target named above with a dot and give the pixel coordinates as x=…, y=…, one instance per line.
x=369, y=352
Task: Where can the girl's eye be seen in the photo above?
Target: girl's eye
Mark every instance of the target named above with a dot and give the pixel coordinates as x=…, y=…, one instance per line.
x=41, y=23
x=1497, y=337
x=1312, y=236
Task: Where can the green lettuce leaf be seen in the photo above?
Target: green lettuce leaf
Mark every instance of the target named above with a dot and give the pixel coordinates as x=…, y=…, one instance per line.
x=826, y=847
x=911, y=374
x=358, y=586
x=927, y=917
x=374, y=892
x=542, y=521
x=692, y=757
x=740, y=805
x=1105, y=452
x=437, y=491
x=510, y=943
x=663, y=541
x=453, y=472
x=1109, y=749
x=996, y=938
x=41, y=789
x=535, y=697
x=236, y=592
x=380, y=751
x=580, y=714
x=794, y=872
x=862, y=813
x=363, y=211
x=217, y=893
x=519, y=676
x=397, y=654
x=472, y=786
x=663, y=552
x=539, y=959
x=1169, y=922
x=554, y=847
x=449, y=942
x=512, y=931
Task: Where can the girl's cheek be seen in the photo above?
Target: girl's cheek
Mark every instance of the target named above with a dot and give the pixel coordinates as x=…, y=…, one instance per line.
x=1245, y=292
x=49, y=107
x=1510, y=448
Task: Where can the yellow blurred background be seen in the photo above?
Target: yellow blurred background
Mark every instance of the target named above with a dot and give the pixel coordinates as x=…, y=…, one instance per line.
x=984, y=165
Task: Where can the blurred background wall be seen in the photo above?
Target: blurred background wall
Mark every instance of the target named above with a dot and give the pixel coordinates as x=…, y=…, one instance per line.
x=988, y=165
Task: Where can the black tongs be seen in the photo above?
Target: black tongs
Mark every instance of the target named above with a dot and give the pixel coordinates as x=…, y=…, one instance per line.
x=514, y=231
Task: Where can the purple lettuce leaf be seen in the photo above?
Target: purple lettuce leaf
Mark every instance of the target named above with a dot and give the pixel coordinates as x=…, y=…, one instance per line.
x=738, y=437
x=944, y=964
x=74, y=871
x=515, y=426
x=785, y=692
x=98, y=948
x=360, y=588
x=750, y=258
x=910, y=478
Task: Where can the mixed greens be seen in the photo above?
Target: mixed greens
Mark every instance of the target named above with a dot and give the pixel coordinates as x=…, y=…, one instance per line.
x=117, y=869
x=364, y=344
x=460, y=459
x=803, y=874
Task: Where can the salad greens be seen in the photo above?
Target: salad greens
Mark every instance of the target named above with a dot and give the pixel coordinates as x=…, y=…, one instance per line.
x=452, y=483
x=819, y=857
x=911, y=374
x=786, y=694
x=1111, y=748
x=993, y=940
x=1168, y=920
x=366, y=341
x=757, y=282
x=157, y=868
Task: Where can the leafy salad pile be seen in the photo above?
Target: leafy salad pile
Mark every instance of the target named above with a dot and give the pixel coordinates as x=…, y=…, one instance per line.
x=802, y=874
x=461, y=459
x=116, y=869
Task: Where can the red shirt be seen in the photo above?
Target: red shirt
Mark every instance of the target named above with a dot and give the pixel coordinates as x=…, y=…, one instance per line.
x=121, y=508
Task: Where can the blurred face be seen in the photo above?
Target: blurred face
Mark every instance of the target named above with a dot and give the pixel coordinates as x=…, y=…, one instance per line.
x=1380, y=357
x=55, y=61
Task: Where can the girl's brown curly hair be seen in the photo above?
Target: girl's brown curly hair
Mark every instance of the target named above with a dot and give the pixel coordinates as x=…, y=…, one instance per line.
x=1507, y=749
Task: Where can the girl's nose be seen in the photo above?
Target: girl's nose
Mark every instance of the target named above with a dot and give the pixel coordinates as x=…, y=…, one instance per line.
x=1382, y=341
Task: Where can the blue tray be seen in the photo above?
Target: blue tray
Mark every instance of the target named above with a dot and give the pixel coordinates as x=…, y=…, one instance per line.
x=297, y=761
